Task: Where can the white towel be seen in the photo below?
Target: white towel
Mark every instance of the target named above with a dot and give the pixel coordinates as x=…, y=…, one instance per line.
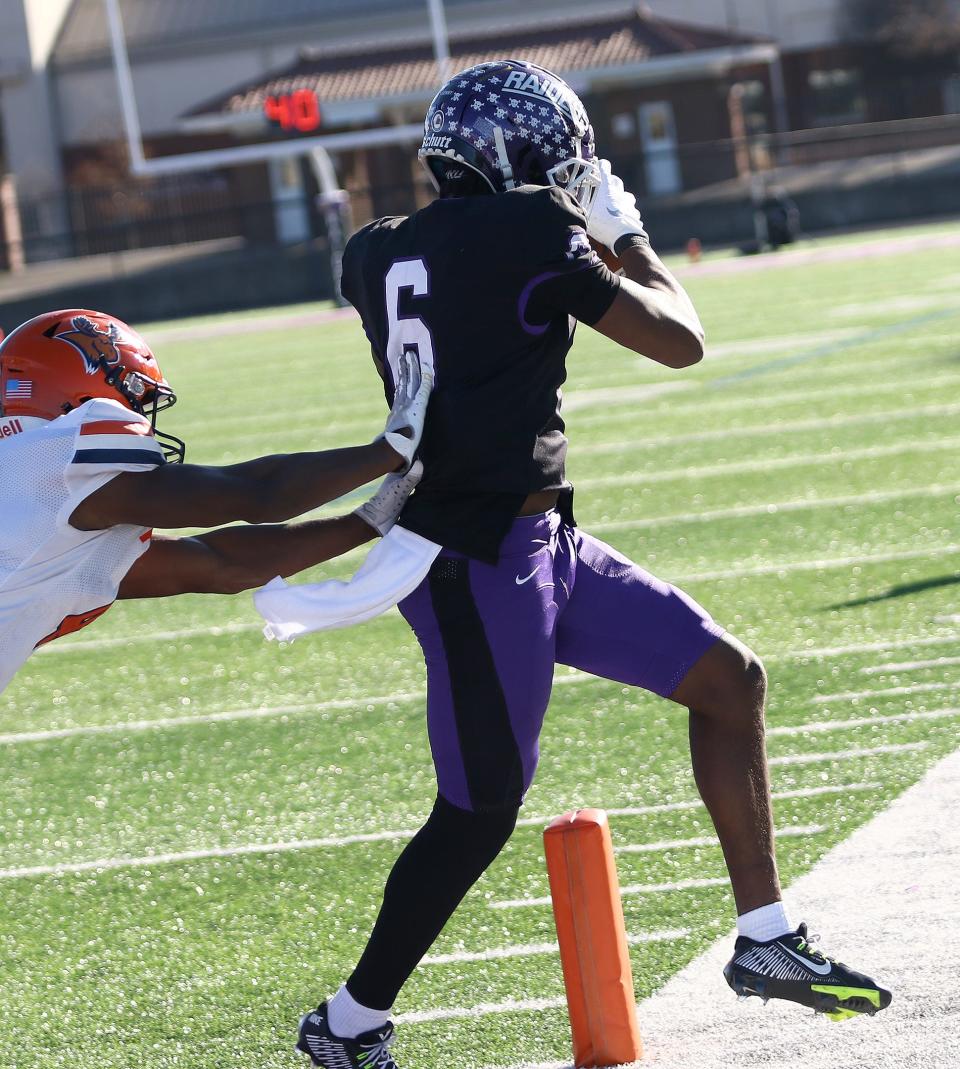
x=394, y=568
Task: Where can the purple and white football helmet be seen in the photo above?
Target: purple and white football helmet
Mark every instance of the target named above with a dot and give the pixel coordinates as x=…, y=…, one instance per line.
x=513, y=123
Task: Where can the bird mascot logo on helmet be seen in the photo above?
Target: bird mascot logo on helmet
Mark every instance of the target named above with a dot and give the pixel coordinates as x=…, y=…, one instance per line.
x=57, y=361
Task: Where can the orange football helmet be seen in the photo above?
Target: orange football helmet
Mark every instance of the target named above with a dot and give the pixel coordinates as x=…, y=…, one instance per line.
x=59, y=360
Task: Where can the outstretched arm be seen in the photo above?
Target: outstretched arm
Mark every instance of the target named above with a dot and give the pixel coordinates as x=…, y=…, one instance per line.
x=235, y=559
x=651, y=314
x=268, y=490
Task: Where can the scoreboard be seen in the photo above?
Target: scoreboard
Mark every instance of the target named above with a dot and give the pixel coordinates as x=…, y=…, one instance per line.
x=297, y=111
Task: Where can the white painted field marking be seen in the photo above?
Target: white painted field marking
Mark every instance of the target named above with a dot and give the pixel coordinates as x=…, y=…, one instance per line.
x=817, y=727
x=630, y=889
x=530, y=1005
x=889, y=692
x=864, y=647
x=230, y=715
x=908, y=666
x=148, y=636
x=775, y=430
x=621, y=394
x=788, y=567
x=260, y=712
x=872, y=497
x=951, y=618
x=883, y=899
x=532, y=949
x=790, y=832
x=710, y=404
x=793, y=460
x=334, y=841
x=845, y=755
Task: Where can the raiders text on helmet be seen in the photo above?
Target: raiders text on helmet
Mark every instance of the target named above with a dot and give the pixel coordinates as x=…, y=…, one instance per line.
x=513, y=123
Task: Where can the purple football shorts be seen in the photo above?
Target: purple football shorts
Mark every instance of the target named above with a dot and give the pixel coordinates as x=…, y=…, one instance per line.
x=492, y=633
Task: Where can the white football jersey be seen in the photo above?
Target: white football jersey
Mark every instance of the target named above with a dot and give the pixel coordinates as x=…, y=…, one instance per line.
x=55, y=579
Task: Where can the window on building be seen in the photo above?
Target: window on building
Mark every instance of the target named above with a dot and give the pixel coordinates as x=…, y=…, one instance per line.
x=836, y=97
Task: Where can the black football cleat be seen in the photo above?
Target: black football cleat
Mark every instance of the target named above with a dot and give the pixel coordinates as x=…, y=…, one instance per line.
x=370, y=1050
x=791, y=968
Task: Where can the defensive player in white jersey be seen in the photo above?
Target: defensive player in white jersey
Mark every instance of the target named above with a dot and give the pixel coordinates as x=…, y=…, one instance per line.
x=85, y=476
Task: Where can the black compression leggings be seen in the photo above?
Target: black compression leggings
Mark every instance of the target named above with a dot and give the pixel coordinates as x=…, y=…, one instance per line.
x=439, y=865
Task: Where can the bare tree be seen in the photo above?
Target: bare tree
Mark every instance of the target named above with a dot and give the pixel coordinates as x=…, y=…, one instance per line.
x=911, y=28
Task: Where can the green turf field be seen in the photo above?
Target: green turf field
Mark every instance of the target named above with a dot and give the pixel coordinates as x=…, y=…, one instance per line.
x=801, y=482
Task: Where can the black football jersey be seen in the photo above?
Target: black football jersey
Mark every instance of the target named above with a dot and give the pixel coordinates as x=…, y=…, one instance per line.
x=488, y=289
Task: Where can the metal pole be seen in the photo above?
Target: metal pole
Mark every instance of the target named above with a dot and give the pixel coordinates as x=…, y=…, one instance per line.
x=334, y=203
x=441, y=39
x=128, y=102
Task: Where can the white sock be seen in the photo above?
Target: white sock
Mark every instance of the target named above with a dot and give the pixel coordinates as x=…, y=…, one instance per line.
x=765, y=923
x=348, y=1019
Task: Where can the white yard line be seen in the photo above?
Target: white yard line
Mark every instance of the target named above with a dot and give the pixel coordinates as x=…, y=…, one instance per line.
x=482, y=1009
x=629, y=889
x=265, y=713
x=845, y=755
x=908, y=666
x=889, y=692
x=533, y=949
x=773, y=508
x=176, y=635
x=772, y=430
x=767, y=464
x=882, y=646
x=335, y=841
x=789, y=567
x=816, y=727
x=229, y=715
x=789, y=832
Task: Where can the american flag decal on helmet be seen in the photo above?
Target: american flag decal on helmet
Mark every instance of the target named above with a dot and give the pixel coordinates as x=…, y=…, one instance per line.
x=19, y=390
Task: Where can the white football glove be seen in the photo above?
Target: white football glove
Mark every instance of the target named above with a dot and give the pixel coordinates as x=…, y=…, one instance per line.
x=382, y=510
x=405, y=423
x=613, y=214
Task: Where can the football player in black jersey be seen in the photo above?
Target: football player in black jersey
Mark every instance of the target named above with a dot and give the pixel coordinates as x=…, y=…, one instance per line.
x=486, y=285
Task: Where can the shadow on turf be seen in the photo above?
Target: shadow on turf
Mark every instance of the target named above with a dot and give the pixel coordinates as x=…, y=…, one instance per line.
x=899, y=591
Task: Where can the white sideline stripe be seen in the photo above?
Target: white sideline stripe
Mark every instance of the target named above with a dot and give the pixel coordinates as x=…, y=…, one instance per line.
x=890, y=692
x=794, y=460
x=531, y=949
x=531, y=1005
x=754, y=430
x=816, y=727
x=845, y=755
x=789, y=832
x=332, y=841
x=259, y=713
x=787, y=568
x=951, y=618
x=908, y=666
x=775, y=508
x=152, y=636
x=630, y=889
x=889, y=890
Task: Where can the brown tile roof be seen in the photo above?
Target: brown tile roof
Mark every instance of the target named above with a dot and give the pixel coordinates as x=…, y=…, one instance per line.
x=410, y=69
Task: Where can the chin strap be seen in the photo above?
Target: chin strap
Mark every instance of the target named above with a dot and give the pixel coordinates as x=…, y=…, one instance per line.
x=505, y=169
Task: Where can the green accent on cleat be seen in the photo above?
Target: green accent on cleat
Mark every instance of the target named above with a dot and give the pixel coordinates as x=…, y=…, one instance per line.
x=848, y=1001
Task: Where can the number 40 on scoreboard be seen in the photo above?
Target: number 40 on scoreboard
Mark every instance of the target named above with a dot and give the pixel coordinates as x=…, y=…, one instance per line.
x=299, y=110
